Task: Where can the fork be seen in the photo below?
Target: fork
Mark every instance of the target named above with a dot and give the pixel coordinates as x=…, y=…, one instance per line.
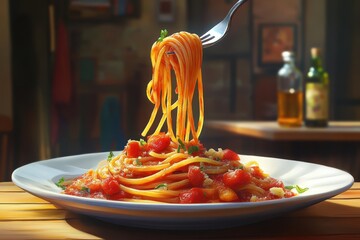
x=219, y=31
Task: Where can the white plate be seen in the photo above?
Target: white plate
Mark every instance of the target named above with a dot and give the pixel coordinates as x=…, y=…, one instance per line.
x=323, y=182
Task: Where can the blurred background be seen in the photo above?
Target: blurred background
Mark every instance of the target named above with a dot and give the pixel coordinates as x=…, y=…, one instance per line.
x=73, y=73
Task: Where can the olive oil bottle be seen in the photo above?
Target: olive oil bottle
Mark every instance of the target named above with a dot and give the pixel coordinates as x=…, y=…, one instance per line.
x=316, y=93
x=289, y=93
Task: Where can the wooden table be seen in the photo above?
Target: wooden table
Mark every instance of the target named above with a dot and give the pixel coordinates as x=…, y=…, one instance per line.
x=24, y=216
x=270, y=130
x=337, y=145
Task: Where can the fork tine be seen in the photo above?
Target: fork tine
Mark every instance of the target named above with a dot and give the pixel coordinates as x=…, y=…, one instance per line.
x=207, y=37
x=207, y=40
x=204, y=36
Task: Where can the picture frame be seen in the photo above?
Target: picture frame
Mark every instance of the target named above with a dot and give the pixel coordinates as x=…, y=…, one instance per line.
x=272, y=40
x=103, y=10
x=166, y=10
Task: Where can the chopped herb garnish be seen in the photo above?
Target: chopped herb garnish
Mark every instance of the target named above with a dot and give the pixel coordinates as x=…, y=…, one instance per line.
x=202, y=167
x=85, y=189
x=162, y=185
x=163, y=34
x=142, y=142
x=297, y=187
x=204, y=194
x=193, y=149
x=60, y=183
x=181, y=145
x=110, y=156
x=138, y=162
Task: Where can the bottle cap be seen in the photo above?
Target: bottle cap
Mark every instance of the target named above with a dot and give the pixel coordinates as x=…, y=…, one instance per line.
x=315, y=52
x=287, y=55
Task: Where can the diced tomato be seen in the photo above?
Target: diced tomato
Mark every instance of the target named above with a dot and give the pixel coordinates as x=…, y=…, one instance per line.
x=196, y=177
x=195, y=149
x=94, y=186
x=120, y=195
x=257, y=172
x=230, y=155
x=110, y=186
x=236, y=178
x=276, y=183
x=289, y=194
x=158, y=142
x=133, y=149
x=194, y=195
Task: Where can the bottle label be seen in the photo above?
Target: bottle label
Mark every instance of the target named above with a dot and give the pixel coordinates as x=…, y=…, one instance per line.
x=317, y=101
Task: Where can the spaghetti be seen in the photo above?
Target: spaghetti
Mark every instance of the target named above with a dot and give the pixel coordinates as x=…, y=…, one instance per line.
x=182, y=53
x=173, y=166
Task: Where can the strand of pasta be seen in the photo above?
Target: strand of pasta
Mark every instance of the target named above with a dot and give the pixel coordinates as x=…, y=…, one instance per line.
x=166, y=171
x=162, y=155
x=149, y=200
x=157, y=193
x=165, y=183
x=150, y=168
x=178, y=184
x=176, y=176
x=216, y=170
x=253, y=189
x=176, y=157
x=153, y=89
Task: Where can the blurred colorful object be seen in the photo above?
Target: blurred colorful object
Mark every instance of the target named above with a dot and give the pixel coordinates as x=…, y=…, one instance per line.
x=111, y=134
x=62, y=82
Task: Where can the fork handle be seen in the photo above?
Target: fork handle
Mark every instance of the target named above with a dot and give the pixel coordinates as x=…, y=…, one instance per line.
x=234, y=8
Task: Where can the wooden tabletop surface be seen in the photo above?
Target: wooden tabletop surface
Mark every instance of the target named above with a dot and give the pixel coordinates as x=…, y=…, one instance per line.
x=336, y=131
x=24, y=216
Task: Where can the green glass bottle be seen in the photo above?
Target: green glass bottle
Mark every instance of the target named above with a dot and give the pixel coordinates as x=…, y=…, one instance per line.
x=316, y=93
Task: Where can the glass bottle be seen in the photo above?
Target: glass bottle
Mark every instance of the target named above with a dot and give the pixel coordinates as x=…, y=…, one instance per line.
x=289, y=93
x=317, y=93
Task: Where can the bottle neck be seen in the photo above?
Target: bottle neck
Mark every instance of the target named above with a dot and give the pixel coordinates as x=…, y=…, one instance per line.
x=316, y=62
x=289, y=62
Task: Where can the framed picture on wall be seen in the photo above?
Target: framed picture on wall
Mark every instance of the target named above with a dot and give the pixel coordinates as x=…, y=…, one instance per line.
x=103, y=10
x=166, y=10
x=273, y=39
